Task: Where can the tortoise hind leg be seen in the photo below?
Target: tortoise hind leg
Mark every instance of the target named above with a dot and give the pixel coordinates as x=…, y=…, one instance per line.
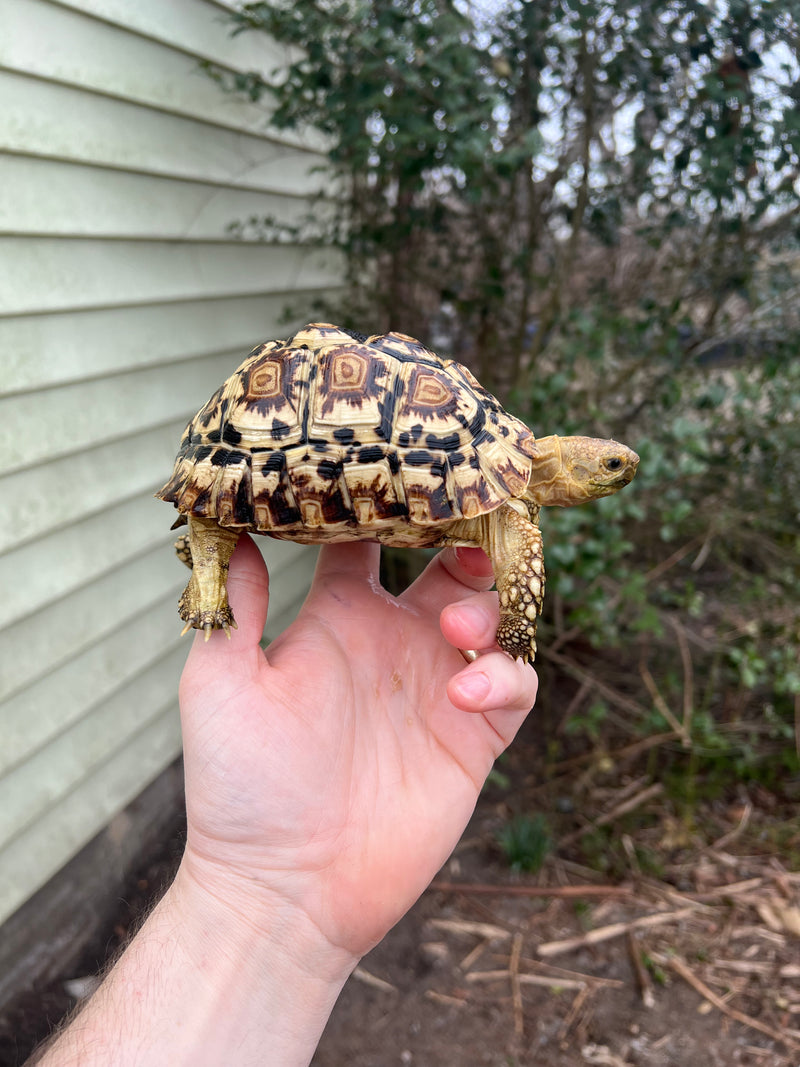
x=207, y=549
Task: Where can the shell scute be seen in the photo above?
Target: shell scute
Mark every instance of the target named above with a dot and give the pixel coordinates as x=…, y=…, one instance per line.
x=349, y=388
x=334, y=436
x=267, y=397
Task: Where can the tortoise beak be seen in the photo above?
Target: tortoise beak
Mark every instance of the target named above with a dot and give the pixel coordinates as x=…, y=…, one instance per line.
x=629, y=472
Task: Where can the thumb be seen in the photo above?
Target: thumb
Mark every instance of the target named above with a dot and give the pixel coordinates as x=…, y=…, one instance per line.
x=248, y=593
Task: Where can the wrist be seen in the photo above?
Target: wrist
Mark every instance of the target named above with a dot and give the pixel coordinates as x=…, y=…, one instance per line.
x=218, y=974
x=236, y=916
x=268, y=977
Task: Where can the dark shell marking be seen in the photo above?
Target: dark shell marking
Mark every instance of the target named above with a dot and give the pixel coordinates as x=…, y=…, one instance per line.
x=329, y=436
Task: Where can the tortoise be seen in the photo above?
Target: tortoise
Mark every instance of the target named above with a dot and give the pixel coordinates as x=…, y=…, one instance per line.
x=334, y=436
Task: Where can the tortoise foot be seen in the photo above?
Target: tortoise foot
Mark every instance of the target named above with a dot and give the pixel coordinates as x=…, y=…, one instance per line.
x=516, y=635
x=205, y=616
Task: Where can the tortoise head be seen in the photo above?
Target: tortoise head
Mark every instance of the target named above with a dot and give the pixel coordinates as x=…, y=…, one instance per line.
x=571, y=470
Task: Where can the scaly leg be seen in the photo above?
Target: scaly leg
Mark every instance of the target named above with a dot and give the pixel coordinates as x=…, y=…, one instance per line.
x=204, y=602
x=519, y=574
x=514, y=544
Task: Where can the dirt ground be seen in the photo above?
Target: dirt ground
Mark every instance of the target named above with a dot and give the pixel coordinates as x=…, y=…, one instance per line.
x=695, y=966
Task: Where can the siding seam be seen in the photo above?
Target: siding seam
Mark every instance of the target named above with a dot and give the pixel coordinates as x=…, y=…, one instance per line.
x=165, y=42
x=239, y=295
x=84, y=646
x=178, y=179
x=89, y=768
x=146, y=105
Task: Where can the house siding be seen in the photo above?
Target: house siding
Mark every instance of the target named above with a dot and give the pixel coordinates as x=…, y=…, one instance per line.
x=124, y=302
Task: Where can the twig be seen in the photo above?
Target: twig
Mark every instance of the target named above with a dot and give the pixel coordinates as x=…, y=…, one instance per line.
x=584, y=690
x=373, y=980
x=634, y=749
x=745, y=966
x=759, y=931
x=777, y=916
x=642, y=977
x=630, y=804
x=669, y=895
x=564, y=891
x=605, y=933
x=671, y=560
x=548, y=982
x=462, y=926
x=543, y=980
x=443, y=998
x=738, y=1016
x=630, y=787
x=662, y=705
x=705, y=548
x=633, y=860
x=487, y=976
x=621, y=809
x=563, y=637
x=733, y=889
x=688, y=676
x=611, y=694
x=577, y=1007
x=553, y=972
x=474, y=955
x=734, y=833
x=516, y=991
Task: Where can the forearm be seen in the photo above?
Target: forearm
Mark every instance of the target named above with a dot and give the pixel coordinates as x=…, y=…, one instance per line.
x=200, y=985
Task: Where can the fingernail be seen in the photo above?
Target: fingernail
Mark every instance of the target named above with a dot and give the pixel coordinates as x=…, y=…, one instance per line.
x=474, y=686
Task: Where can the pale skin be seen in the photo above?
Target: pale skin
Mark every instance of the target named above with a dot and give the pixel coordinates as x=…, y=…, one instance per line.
x=326, y=781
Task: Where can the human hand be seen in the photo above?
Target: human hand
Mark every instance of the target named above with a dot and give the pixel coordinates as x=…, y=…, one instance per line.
x=326, y=782
x=335, y=772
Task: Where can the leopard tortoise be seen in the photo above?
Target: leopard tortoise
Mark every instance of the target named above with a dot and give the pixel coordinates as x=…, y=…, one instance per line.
x=333, y=436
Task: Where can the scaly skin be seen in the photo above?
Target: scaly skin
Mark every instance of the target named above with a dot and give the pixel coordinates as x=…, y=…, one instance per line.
x=519, y=575
x=204, y=602
x=513, y=542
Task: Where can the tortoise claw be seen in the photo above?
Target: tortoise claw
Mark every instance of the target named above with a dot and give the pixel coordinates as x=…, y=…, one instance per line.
x=208, y=628
x=205, y=619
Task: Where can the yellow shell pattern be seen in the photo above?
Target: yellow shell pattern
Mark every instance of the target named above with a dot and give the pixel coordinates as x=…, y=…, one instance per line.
x=331, y=436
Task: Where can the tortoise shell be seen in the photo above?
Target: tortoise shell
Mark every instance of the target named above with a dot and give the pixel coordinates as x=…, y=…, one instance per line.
x=335, y=436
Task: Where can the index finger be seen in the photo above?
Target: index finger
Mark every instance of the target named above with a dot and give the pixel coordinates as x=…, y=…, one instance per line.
x=452, y=575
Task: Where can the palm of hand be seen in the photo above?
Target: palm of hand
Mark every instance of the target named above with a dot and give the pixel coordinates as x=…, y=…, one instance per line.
x=335, y=771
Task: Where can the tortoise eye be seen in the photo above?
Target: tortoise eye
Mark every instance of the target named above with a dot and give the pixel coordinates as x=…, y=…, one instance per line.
x=614, y=463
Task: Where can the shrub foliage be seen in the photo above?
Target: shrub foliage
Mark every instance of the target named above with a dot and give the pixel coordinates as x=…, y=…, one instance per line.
x=596, y=206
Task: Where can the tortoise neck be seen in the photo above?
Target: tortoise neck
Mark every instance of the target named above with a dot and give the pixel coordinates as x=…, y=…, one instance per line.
x=545, y=486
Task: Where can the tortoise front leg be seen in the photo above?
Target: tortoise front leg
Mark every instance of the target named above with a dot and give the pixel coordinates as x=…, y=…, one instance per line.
x=514, y=544
x=518, y=559
x=204, y=602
